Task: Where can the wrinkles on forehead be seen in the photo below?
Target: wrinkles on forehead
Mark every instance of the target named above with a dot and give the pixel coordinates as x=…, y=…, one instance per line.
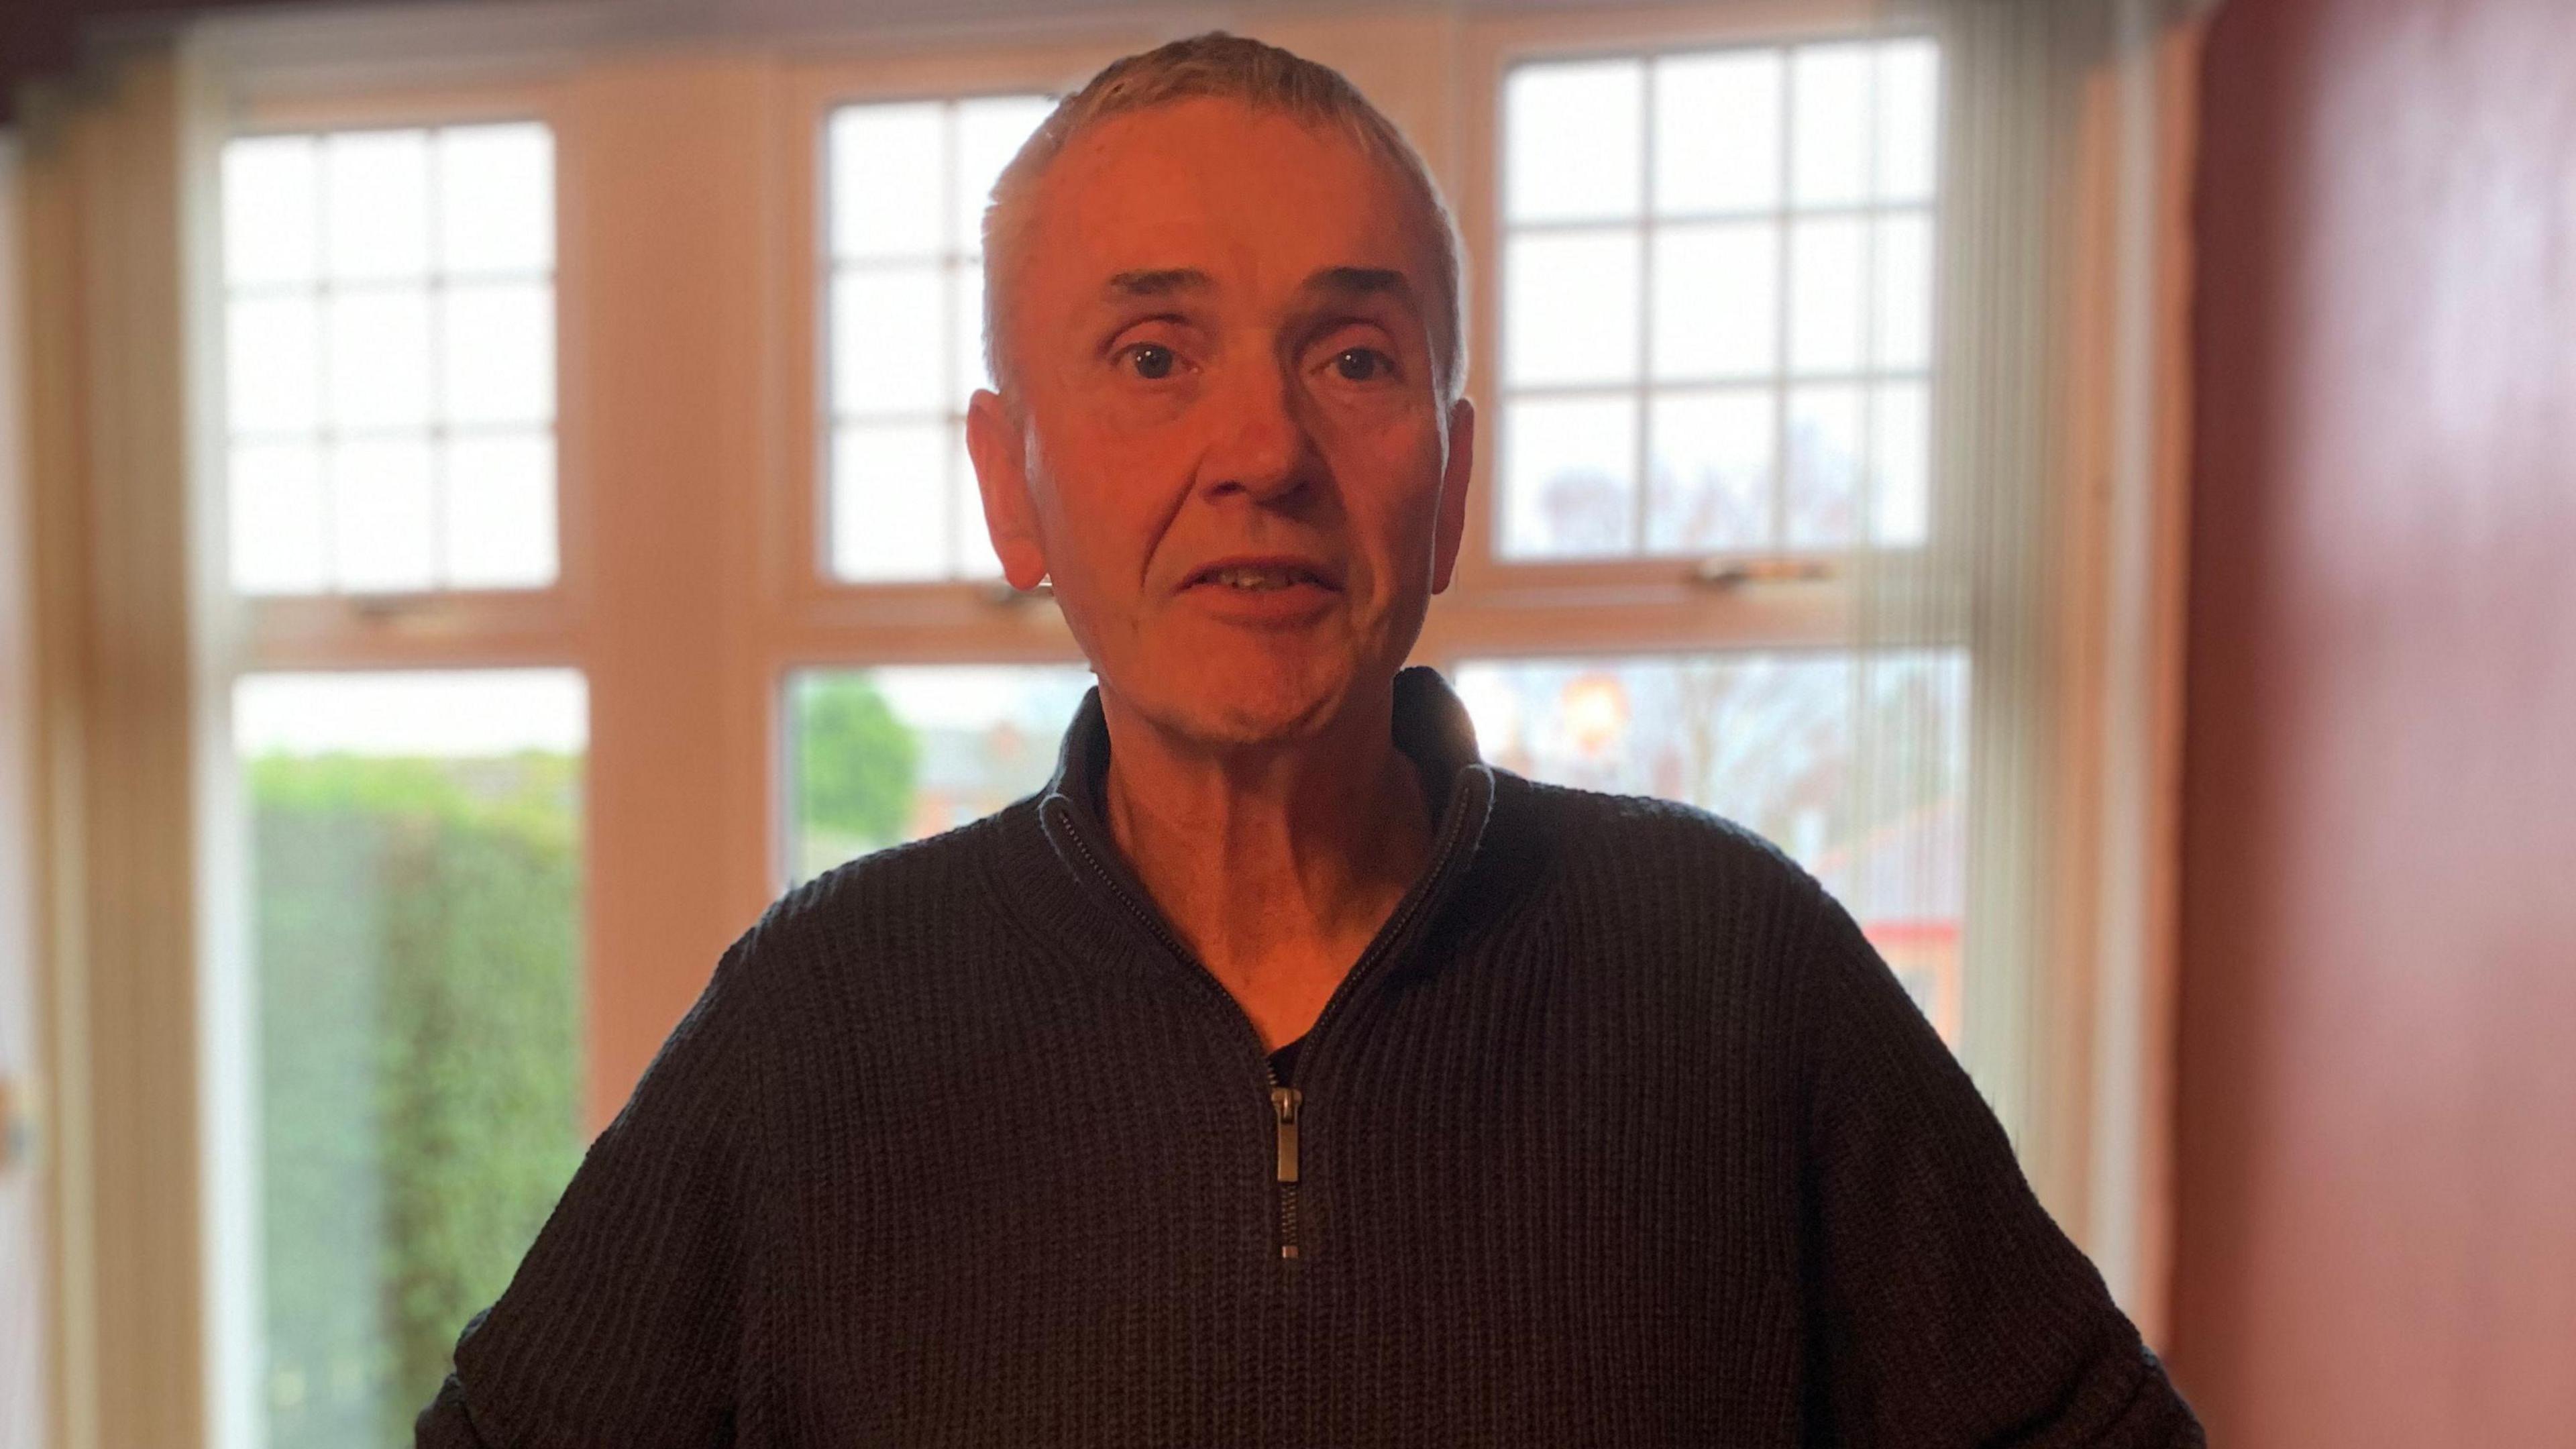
x=1137, y=179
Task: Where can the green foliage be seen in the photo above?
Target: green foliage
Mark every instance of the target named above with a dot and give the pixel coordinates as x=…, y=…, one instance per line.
x=418, y=926
x=857, y=764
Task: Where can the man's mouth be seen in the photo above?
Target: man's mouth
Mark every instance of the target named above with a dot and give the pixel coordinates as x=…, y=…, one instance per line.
x=1258, y=576
x=1258, y=580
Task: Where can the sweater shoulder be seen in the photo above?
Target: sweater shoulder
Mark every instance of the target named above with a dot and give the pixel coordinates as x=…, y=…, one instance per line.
x=1640, y=844
x=870, y=906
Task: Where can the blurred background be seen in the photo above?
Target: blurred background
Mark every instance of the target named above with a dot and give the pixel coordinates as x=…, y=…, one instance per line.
x=483, y=511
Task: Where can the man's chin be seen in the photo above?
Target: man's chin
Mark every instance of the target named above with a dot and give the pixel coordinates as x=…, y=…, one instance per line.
x=1244, y=704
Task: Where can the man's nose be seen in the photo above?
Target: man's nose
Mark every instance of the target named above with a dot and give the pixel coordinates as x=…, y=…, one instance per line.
x=1262, y=447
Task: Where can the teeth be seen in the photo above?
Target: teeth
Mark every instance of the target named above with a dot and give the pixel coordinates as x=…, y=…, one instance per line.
x=1256, y=578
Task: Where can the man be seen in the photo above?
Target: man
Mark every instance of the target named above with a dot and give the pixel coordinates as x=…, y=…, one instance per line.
x=1283, y=1074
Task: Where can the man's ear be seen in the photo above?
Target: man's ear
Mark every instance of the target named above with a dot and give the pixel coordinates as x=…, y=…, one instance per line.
x=993, y=441
x=1451, y=528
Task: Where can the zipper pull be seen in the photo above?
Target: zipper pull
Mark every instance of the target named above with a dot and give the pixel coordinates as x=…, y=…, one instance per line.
x=1283, y=1104
x=1283, y=1101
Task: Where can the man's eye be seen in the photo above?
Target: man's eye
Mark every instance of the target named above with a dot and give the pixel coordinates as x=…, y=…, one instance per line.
x=1151, y=360
x=1362, y=364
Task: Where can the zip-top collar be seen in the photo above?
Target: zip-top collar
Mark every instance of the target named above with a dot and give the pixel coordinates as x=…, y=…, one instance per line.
x=1431, y=727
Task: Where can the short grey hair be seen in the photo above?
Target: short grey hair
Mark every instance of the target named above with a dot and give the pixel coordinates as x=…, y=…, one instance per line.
x=1265, y=78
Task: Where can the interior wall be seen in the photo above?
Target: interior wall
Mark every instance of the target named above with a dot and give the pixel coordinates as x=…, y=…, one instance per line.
x=2377, y=1131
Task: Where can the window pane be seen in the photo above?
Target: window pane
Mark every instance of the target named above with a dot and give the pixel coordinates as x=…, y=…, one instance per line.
x=1572, y=307
x=379, y=358
x=1855, y=765
x=1709, y=481
x=415, y=882
x=885, y=341
x=1571, y=136
x=1717, y=301
x=499, y=345
x=894, y=754
x=277, y=514
x=974, y=558
x=389, y=289
x=273, y=364
x=1829, y=135
x=273, y=210
x=381, y=515
x=887, y=188
x=498, y=531
x=1824, y=465
x=1901, y=457
x=1717, y=132
x=1901, y=299
x=496, y=199
x=890, y=501
x=1909, y=119
x=1569, y=477
x=1826, y=292
x=990, y=131
x=965, y=334
x=376, y=204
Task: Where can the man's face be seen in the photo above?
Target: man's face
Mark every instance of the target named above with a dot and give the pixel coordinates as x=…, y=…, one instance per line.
x=1229, y=454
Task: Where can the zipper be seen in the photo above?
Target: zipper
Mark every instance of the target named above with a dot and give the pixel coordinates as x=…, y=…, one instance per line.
x=1285, y=1102
x=1283, y=1105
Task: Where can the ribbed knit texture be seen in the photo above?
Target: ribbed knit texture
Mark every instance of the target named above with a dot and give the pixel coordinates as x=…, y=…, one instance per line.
x=1622, y=1135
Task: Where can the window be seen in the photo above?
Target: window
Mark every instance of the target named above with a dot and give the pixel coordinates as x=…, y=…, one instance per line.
x=1717, y=301
x=908, y=182
x=892, y=754
x=389, y=374
x=415, y=866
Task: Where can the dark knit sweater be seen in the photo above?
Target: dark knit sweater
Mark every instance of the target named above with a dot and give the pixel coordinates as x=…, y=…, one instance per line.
x=1620, y=1134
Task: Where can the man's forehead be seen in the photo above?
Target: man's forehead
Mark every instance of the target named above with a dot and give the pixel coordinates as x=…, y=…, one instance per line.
x=1191, y=194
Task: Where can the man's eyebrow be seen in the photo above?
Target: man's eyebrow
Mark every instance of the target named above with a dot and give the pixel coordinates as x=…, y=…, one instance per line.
x=1363, y=282
x=1158, y=282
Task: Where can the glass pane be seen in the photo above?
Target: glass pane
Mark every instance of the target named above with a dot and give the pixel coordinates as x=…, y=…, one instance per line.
x=1829, y=137
x=886, y=323
x=1856, y=766
x=272, y=201
x=498, y=529
x=496, y=198
x=1717, y=301
x=1571, y=308
x=1717, y=132
x=273, y=364
x=1824, y=465
x=276, y=507
x=1569, y=476
x=499, y=346
x=973, y=557
x=990, y=131
x=1709, y=475
x=381, y=514
x=1901, y=299
x=1909, y=119
x=965, y=334
x=376, y=204
x=886, y=180
x=415, y=883
x=1901, y=462
x=894, y=754
x=1571, y=138
x=1826, y=292
x=890, y=501
x=379, y=357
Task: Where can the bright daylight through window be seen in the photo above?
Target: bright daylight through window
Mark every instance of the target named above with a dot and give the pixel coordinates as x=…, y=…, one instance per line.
x=390, y=379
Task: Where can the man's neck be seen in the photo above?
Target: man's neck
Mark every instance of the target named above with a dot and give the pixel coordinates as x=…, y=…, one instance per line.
x=1277, y=866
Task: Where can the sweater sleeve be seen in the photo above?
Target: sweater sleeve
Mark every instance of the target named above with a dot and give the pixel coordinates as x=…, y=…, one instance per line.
x=623, y=1324
x=1946, y=1307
